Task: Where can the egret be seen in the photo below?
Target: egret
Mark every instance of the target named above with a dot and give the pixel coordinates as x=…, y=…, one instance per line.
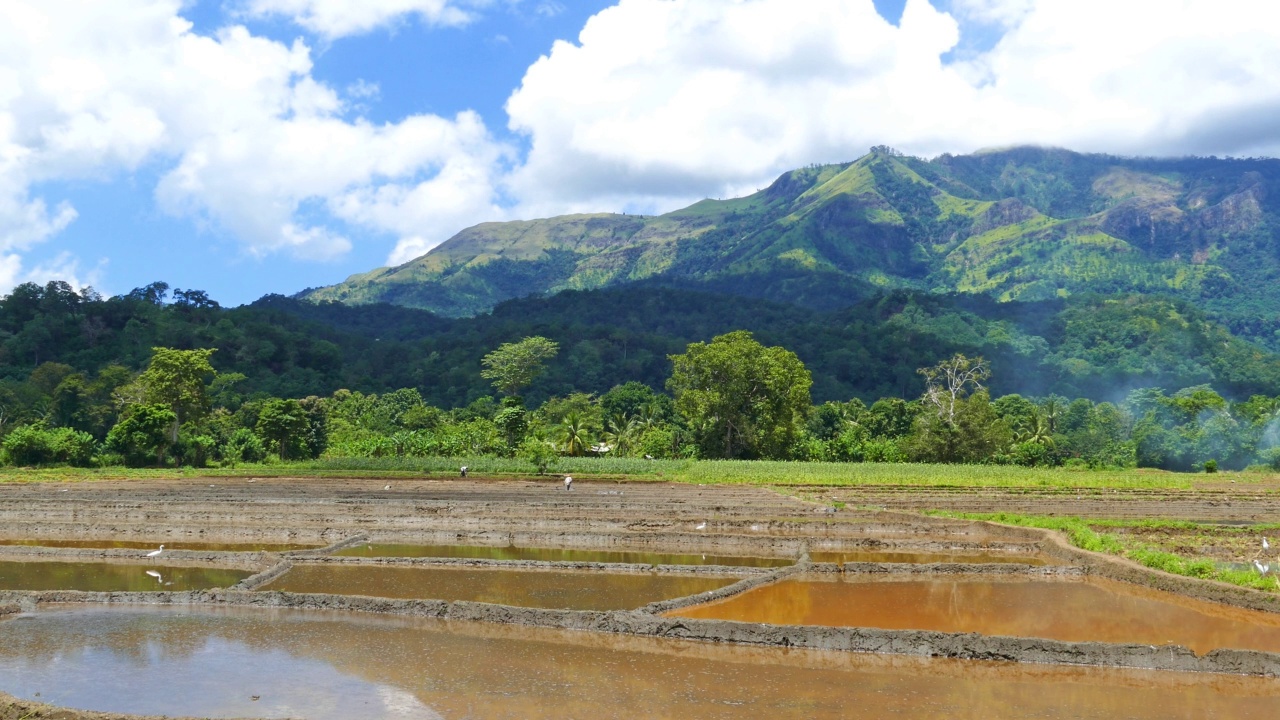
x=701, y=526
x=568, y=483
x=1262, y=569
x=387, y=487
x=156, y=553
x=155, y=575
x=1265, y=545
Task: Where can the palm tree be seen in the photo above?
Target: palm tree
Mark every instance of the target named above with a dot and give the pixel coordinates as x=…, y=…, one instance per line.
x=574, y=435
x=620, y=434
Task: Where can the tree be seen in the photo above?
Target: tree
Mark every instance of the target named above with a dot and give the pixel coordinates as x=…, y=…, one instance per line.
x=514, y=365
x=745, y=399
x=176, y=379
x=284, y=425
x=950, y=381
x=143, y=434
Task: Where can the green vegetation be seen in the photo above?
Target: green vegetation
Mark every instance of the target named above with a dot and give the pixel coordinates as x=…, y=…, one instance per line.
x=1025, y=223
x=1082, y=534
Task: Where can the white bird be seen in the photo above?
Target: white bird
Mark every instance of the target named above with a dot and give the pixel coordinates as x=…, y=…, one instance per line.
x=701, y=526
x=388, y=487
x=1262, y=569
x=1265, y=545
x=568, y=483
x=156, y=553
x=155, y=575
x=464, y=470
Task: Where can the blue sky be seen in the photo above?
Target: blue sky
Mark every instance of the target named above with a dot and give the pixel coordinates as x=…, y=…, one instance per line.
x=253, y=146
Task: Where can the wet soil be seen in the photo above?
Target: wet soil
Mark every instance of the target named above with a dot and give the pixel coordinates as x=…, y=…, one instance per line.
x=320, y=666
x=1227, y=502
x=142, y=545
x=891, y=556
x=556, y=555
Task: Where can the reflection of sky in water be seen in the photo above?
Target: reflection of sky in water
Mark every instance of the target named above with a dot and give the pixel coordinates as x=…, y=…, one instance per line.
x=216, y=678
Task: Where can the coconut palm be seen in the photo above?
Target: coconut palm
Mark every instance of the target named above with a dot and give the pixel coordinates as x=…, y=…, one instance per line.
x=574, y=435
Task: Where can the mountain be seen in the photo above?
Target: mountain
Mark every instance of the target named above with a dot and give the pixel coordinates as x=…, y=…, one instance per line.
x=1020, y=224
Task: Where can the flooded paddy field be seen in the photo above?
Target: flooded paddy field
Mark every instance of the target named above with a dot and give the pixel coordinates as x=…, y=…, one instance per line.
x=476, y=552
x=276, y=664
x=522, y=588
x=474, y=599
x=112, y=577
x=1074, y=610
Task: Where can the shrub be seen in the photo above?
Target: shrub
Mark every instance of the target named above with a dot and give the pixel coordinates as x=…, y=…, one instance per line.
x=39, y=445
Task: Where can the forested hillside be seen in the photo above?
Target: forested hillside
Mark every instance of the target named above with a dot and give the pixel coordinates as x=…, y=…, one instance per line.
x=1089, y=346
x=1024, y=224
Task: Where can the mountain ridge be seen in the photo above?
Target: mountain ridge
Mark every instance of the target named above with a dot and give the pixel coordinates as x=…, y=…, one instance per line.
x=1015, y=224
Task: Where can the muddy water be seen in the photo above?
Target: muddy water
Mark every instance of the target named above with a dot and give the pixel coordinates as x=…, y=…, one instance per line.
x=327, y=666
x=168, y=545
x=558, y=555
x=1072, y=610
x=109, y=577
x=524, y=588
x=915, y=558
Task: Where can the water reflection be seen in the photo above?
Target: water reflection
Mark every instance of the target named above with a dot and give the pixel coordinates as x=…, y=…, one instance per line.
x=1072, y=610
x=110, y=577
x=525, y=588
x=915, y=558
x=168, y=544
x=327, y=666
x=558, y=555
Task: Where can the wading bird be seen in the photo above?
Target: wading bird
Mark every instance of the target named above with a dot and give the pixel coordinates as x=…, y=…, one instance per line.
x=1262, y=569
x=156, y=553
x=701, y=526
x=155, y=575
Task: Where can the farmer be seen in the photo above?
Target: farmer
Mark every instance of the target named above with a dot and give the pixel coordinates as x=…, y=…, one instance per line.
x=568, y=483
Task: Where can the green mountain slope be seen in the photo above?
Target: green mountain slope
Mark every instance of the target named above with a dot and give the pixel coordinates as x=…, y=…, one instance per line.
x=1020, y=224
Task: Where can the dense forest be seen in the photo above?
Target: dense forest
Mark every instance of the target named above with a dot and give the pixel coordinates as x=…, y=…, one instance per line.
x=161, y=376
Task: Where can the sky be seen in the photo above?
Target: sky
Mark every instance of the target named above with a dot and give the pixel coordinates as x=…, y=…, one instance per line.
x=246, y=147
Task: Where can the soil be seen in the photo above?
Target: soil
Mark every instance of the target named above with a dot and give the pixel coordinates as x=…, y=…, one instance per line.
x=610, y=515
x=1227, y=502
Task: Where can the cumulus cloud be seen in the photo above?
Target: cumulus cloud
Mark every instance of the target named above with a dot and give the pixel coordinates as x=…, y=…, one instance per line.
x=683, y=98
x=247, y=139
x=339, y=18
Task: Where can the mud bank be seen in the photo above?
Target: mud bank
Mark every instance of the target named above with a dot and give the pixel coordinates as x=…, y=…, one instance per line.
x=11, y=708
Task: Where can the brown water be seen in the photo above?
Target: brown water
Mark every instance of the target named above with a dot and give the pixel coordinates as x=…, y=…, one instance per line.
x=559, y=555
x=109, y=577
x=918, y=558
x=524, y=588
x=168, y=545
x=326, y=666
x=1073, y=610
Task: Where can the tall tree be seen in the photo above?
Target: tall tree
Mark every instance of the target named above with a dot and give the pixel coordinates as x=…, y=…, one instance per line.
x=514, y=365
x=177, y=379
x=744, y=399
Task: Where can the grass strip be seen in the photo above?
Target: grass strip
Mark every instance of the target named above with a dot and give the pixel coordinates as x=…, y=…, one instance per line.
x=1083, y=536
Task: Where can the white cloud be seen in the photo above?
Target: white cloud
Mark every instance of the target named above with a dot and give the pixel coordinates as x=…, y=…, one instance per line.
x=675, y=99
x=64, y=266
x=247, y=138
x=339, y=18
